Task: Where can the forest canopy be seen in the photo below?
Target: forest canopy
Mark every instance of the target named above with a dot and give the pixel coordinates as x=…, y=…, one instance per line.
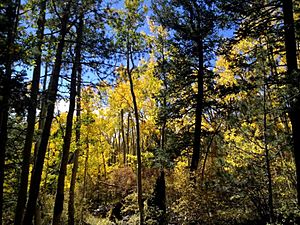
x=149, y=112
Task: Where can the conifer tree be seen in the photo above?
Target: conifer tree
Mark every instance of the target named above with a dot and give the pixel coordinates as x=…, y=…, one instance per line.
x=9, y=26
x=195, y=23
x=59, y=199
x=31, y=117
x=51, y=98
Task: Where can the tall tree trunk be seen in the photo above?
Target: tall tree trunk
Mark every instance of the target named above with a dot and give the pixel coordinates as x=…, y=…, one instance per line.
x=133, y=138
x=86, y=165
x=22, y=194
x=267, y=154
x=52, y=93
x=163, y=134
x=115, y=147
x=43, y=112
x=158, y=200
x=160, y=187
x=46, y=170
x=123, y=137
x=59, y=199
x=164, y=101
x=128, y=133
x=85, y=173
x=98, y=182
x=38, y=216
x=294, y=81
x=71, y=209
x=207, y=151
x=119, y=146
x=138, y=138
x=12, y=13
x=104, y=164
x=199, y=109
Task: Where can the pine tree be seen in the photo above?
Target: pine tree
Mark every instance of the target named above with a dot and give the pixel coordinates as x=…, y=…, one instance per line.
x=10, y=20
x=51, y=97
x=31, y=118
x=195, y=23
x=59, y=199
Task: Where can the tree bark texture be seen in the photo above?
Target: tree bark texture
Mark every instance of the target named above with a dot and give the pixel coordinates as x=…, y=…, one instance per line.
x=128, y=133
x=59, y=198
x=199, y=109
x=138, y=145
x=11, y=13
x=294, y=81
x=123, y=137
x=51, y=98
x=31, y=117
x=71, y=209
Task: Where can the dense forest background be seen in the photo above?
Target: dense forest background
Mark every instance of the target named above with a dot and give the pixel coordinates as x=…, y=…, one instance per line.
x=149, y=112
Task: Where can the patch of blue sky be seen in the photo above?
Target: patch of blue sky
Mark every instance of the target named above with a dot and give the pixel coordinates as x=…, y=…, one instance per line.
x=94, y=75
